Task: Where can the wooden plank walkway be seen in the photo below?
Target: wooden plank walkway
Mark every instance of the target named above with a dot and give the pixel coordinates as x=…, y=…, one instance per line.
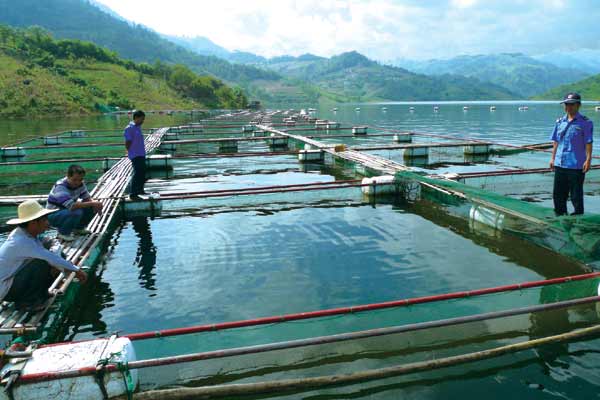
x=109, y=188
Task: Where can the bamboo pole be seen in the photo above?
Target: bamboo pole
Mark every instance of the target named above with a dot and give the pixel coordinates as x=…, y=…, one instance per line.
x=303, y=384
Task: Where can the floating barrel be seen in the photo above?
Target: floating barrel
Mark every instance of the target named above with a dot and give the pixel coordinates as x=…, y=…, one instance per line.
x=402, y=138
x=485, y=220
x=414, y=152
x=248, y=128
x=73, y=356
x=12, y=152
x=359, y=130
x=278, y=141
x=476, y=149
x=77, y=133
x=159, y=161
x=310, y=155
x=52, y=140
x=383, y=184
x=150, y=206
x=321, y=124
x=333, y=125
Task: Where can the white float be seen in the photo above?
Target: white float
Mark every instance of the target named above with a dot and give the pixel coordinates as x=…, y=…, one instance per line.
x=52, y=140
x=310, y=155
x=379, y=185
x=476, y=149
x=277, y=141
x=359, y=130
x=159, y=161
x=481, y=218
x=413, y=152
x=12, y=151
x=248, y=128
x=402, y=138
x=73, y=356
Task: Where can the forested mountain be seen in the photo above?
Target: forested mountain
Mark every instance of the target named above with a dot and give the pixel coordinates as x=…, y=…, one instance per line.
x=352, y=76
x=79, y=19
x=589, y=89
x=517, y=72
x=42, y=76
x=282, y=80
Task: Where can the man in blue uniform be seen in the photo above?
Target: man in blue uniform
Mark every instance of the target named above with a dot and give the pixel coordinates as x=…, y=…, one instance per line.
x=571, y=155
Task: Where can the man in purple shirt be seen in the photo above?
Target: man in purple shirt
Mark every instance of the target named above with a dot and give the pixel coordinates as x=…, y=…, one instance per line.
x=571, y=155
x=136, y=151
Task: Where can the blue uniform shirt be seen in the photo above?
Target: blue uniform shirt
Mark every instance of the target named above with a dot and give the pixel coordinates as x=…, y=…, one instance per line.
x=572, y=138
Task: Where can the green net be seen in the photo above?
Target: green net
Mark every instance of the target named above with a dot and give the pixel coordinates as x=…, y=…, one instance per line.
x=576, y=237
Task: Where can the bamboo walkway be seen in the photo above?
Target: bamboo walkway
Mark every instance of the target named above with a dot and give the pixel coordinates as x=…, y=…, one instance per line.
x=109, y=189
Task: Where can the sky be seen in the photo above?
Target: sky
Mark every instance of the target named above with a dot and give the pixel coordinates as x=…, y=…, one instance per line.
x=381, y=29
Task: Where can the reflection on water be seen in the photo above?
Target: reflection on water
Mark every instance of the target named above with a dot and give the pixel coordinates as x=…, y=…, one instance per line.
x=146, y=252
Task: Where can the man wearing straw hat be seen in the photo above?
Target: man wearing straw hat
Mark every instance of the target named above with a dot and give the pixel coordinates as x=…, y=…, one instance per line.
x=571, y=155
x=26, y=266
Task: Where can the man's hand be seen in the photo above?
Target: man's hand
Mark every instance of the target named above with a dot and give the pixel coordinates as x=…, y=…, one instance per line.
x=97, y=206
x=82, y=276
x=552, y=164
x=586, y=166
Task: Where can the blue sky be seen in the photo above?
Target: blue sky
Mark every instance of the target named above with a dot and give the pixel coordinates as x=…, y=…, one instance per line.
x=381, y=29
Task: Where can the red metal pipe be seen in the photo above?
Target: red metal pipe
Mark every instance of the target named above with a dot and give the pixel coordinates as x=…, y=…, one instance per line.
x=353, y=309
x=299, y=185
x=377, y=332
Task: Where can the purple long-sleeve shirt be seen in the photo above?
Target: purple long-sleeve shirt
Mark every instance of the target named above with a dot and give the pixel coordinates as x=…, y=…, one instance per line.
x=133, y=134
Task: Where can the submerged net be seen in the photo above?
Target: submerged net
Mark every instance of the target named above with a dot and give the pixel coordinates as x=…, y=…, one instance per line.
x=577, y=237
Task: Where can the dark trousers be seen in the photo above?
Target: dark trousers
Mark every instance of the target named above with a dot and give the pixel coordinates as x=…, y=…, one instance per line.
x=66, y=220
x=139, y=175
x=30, y=285
x=568, y=182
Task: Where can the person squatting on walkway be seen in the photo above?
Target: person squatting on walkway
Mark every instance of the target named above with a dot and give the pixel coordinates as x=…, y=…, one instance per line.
x=571, y=155
x=72, y=215
x=136, y=151
x=27, y=267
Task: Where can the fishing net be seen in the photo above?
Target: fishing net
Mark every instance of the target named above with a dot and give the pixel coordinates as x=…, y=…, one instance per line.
x=576, y=237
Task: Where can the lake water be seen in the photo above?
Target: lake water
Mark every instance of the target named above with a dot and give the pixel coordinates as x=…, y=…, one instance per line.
x=224, y=259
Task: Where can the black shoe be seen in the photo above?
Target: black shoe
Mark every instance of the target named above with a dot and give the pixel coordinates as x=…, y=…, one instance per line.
x=135, y=197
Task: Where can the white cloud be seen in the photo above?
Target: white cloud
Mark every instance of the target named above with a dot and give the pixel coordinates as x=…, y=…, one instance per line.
x=381, y=29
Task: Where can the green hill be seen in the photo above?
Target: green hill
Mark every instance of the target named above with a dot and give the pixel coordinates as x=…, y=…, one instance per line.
x=352, y=76
x=517, y=72
x=43, y=76
x=589, y=89
x=81, y=19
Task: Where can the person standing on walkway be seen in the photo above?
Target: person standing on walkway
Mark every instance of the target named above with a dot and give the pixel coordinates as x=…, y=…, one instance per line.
x=136, y=151
x=571, y=155
x=27, y=267
x=72, y=215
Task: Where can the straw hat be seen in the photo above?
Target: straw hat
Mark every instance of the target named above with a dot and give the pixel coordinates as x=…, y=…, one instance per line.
x=28, y=211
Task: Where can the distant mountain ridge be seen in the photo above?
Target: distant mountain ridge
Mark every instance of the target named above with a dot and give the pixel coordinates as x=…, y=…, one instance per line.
x=352, y=76
x=587, y=60
x=280, y=80
x=517, y=72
